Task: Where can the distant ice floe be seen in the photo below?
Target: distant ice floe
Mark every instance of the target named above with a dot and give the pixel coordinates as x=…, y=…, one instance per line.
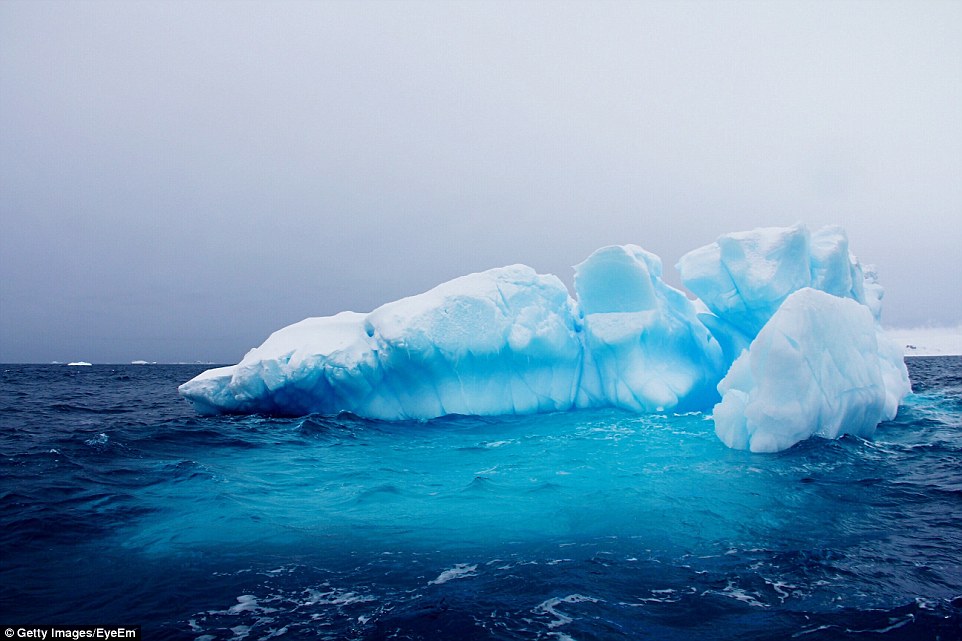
x=779, y=309
x=79, y=364
x=927, y=341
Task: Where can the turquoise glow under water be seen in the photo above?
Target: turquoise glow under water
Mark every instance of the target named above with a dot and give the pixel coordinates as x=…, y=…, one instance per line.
x=122, y=507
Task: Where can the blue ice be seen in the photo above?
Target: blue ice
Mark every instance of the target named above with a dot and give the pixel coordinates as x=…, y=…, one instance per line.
x=770, y=302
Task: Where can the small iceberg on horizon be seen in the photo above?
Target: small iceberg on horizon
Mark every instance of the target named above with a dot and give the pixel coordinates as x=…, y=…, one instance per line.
x=79, y=364
x=512, y=341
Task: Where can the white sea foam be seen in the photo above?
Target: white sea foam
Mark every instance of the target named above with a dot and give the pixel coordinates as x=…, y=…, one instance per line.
x=459, y=571
x=240, y=631
x=740, y=594
x=245, y=603
x=780, y=589
x=336, y=597
x=560, y=618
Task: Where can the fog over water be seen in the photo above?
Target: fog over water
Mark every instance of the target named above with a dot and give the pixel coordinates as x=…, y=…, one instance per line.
x=177, y=180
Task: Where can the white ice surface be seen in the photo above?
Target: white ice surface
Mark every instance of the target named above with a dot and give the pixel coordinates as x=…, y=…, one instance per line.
x=818, y=367
x=504, y=341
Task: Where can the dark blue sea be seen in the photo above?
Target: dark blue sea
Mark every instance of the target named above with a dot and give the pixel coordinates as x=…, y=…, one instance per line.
x=119, y=506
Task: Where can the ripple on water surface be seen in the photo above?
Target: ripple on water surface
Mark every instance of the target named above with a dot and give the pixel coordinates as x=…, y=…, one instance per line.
x=580, y=525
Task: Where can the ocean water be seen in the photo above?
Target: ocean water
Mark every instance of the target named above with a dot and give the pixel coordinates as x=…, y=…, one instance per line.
x=119, y=506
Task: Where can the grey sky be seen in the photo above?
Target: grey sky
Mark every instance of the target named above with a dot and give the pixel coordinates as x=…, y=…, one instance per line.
x=179, y=179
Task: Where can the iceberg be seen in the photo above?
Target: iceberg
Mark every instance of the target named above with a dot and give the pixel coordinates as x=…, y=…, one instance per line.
x=512, y=341
x=817, y=367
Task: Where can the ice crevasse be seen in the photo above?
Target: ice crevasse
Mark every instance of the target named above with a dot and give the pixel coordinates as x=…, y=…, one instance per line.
x=512, y=341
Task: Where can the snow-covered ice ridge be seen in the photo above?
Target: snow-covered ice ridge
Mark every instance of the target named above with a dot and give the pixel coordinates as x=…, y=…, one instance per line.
x=783, y=342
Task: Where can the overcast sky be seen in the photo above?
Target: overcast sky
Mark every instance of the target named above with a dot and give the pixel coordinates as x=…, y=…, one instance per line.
x=179, y=179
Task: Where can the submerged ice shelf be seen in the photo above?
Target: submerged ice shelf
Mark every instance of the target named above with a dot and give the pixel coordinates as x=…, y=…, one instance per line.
x=783, y=342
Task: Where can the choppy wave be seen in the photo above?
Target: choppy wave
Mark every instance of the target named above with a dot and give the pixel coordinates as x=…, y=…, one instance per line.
x=121, y=506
